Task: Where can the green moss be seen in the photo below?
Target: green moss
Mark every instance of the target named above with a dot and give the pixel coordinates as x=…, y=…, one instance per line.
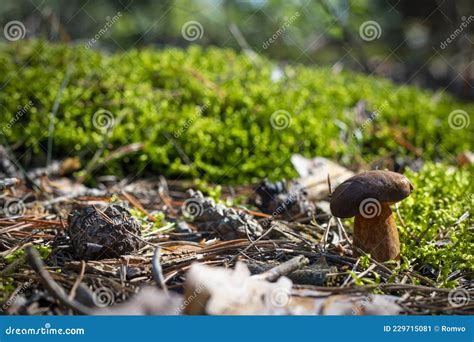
x=206, y=113
x=43, y=250
x=432, y=237
x=6, y=288
x=213, y=191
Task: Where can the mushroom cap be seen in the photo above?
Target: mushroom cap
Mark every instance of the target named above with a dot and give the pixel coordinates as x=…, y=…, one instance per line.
x=382, y=186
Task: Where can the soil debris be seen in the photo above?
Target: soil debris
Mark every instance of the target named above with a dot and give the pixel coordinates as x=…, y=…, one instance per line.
x=218, y=220
x=283, y=200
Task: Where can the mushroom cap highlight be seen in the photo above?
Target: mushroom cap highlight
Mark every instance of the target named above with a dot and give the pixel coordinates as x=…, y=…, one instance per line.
x=383, y=186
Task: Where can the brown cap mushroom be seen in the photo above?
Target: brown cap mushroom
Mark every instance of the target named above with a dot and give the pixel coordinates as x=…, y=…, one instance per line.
x=368, y=196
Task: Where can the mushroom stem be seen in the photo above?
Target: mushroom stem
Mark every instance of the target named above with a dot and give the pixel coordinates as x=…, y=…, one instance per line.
x=378, y=235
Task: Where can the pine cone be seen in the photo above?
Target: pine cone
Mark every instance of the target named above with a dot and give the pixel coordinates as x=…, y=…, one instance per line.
x=98, y=233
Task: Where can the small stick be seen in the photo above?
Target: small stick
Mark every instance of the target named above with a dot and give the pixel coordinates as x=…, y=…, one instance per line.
x=54, y=288
x=341, y=226
x=381, y=266
x=239, y=37
x=254, y=242
x=157, y=271
x=13, y=266
x=72, y=294
x=399, y=216
x=363, y=274
x=349, y=276
x=95, y=160
x=52, y=114
x=163, y=191
x=284, y=268
x=324, y=238
x=463, y=217
x=137, y=205
x=329, y=185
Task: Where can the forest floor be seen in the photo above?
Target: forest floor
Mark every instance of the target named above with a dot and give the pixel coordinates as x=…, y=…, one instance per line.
x=156, y=230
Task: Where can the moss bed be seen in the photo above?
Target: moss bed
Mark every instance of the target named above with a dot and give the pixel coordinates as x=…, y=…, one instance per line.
x=208, y=112
x=436, y=239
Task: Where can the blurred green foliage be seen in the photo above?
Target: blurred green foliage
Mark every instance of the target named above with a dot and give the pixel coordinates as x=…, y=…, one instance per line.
x=407, y=46
x=207, y=112
x=317, y=36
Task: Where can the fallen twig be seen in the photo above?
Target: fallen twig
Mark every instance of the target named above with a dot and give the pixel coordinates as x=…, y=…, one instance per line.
x=157, y=271
x=284, y=268
x=56, y=290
